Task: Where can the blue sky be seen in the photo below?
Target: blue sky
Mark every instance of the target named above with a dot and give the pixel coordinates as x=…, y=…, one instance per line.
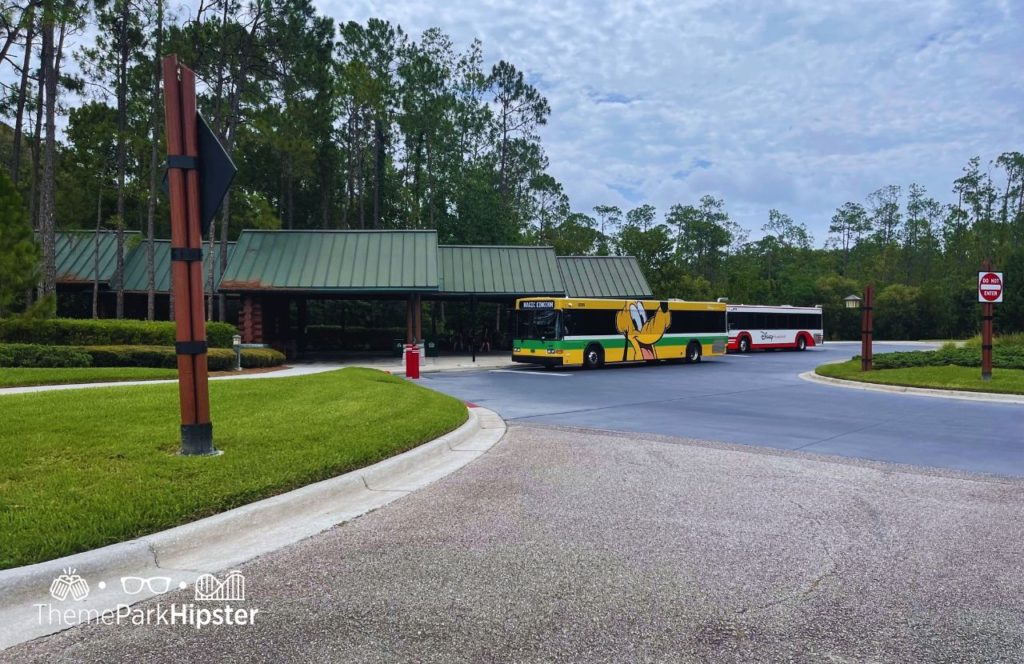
x=797, y=105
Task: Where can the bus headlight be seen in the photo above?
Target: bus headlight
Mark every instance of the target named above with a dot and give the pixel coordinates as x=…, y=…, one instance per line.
x=515, y=349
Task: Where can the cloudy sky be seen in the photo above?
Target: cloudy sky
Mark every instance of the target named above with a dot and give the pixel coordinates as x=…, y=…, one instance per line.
x=796, y=105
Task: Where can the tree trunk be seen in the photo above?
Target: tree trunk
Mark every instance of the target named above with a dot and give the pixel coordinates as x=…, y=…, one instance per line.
x=37, y=155
x=47, y=227
x=210, y=265
x=380, y=147
x=96, y=253
x=122, y=151
x=22, y=97
x=289, y=193
x=154, y=165
x=362, y=181
x=222, y=259
x=350, y=189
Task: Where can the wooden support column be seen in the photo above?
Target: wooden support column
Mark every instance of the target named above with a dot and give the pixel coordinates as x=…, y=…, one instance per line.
x=409, y=319
x=257, y=320
x=418, y=318
x=245, y=319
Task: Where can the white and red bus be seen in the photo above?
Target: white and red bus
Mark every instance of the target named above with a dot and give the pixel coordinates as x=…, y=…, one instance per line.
x=754, y=327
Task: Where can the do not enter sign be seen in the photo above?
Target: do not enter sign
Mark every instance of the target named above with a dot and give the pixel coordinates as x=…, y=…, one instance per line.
x=990, y=287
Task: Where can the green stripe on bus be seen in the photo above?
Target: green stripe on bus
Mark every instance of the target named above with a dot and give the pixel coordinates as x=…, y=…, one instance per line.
x=580, y=344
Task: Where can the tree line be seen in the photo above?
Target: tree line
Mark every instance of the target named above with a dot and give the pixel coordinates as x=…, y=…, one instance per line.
x=360, y=125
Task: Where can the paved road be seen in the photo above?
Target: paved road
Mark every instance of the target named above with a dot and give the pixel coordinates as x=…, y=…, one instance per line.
x=575, y=546
x=757, y=399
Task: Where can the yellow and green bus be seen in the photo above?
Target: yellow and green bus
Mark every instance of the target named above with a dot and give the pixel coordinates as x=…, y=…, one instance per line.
x=565, y=331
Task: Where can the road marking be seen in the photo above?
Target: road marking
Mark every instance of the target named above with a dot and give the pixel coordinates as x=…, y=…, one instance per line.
x=527, y=372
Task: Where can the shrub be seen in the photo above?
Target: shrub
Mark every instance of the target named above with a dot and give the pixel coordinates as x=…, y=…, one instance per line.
x=253, y=358
x=34, y=355
x=1003, y=357
x=217, y=359
x=85, y=332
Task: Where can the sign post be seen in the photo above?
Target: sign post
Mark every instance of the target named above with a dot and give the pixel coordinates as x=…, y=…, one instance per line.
x=867, y=328
x=990, y=291
x=199, y=173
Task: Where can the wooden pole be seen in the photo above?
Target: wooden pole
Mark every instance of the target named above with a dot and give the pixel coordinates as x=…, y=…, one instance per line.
x=987, y=311
x=408, y=319
x=867, y=329
x=186, y=255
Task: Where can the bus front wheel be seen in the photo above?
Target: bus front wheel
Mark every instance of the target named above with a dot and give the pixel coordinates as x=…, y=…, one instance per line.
x=801, y=342
x=593, y=357
x=693, y=352
x=744, y=344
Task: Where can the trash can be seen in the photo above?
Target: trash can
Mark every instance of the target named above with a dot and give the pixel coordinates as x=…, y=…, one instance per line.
x=432, y=349
x=397, y=347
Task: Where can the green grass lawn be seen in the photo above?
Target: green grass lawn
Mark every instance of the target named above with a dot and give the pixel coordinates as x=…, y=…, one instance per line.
x=951, y=377
x=86, y=468
x=22, y=377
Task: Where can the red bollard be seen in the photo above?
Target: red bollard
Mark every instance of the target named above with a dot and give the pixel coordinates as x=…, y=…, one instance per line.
x=412, y=361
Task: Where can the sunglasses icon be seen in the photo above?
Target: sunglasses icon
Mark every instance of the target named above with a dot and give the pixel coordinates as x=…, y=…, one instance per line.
x=133, y=585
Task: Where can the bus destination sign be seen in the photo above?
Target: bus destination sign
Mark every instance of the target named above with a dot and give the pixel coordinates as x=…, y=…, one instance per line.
x=538, y=304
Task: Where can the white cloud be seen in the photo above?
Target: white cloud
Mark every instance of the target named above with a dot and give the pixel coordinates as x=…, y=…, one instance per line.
x=799, y=105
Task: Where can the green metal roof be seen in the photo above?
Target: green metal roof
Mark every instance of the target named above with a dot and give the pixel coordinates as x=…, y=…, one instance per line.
x=76, y=255
x=499, y=270
x=603, y=276
x=136, y=279
x=333, y=261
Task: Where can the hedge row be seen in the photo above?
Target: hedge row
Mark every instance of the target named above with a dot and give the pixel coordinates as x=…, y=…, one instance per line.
x=1003, y=357
x=334, y=337
x=84, y=332
x=32, y=355
x=218, y=359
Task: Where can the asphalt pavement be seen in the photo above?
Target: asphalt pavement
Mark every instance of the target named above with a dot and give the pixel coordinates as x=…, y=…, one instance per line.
x=758, y=399
x=577, y=546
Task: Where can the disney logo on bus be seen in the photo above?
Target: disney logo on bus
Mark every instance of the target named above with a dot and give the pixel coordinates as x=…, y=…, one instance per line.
x=767, y=336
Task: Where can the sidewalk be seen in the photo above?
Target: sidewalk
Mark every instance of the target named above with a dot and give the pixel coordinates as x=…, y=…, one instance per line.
x=389, y=364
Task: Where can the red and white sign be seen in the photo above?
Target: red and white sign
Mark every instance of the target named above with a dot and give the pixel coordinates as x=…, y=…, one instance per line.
x=990, y=287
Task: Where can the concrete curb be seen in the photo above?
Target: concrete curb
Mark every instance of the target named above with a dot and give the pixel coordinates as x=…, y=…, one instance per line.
x=916, y=391
x=219, y=542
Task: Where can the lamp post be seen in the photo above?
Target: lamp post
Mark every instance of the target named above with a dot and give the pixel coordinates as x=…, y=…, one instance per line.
x=867, y=329
x=236, y=343
x=867, y=323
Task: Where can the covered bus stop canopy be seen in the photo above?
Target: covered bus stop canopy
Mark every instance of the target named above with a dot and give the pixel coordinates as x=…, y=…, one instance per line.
x=275, y=274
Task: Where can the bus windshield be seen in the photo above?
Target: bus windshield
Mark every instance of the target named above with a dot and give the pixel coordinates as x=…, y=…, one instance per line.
x=541, y=325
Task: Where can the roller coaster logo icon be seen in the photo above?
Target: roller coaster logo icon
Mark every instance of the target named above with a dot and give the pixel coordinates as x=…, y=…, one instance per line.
x=232, y=589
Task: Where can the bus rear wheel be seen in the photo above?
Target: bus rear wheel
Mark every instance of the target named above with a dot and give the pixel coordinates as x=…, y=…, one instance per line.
x=693, y=353
x=593, y=357
x=801, y=342
x=744, y=344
